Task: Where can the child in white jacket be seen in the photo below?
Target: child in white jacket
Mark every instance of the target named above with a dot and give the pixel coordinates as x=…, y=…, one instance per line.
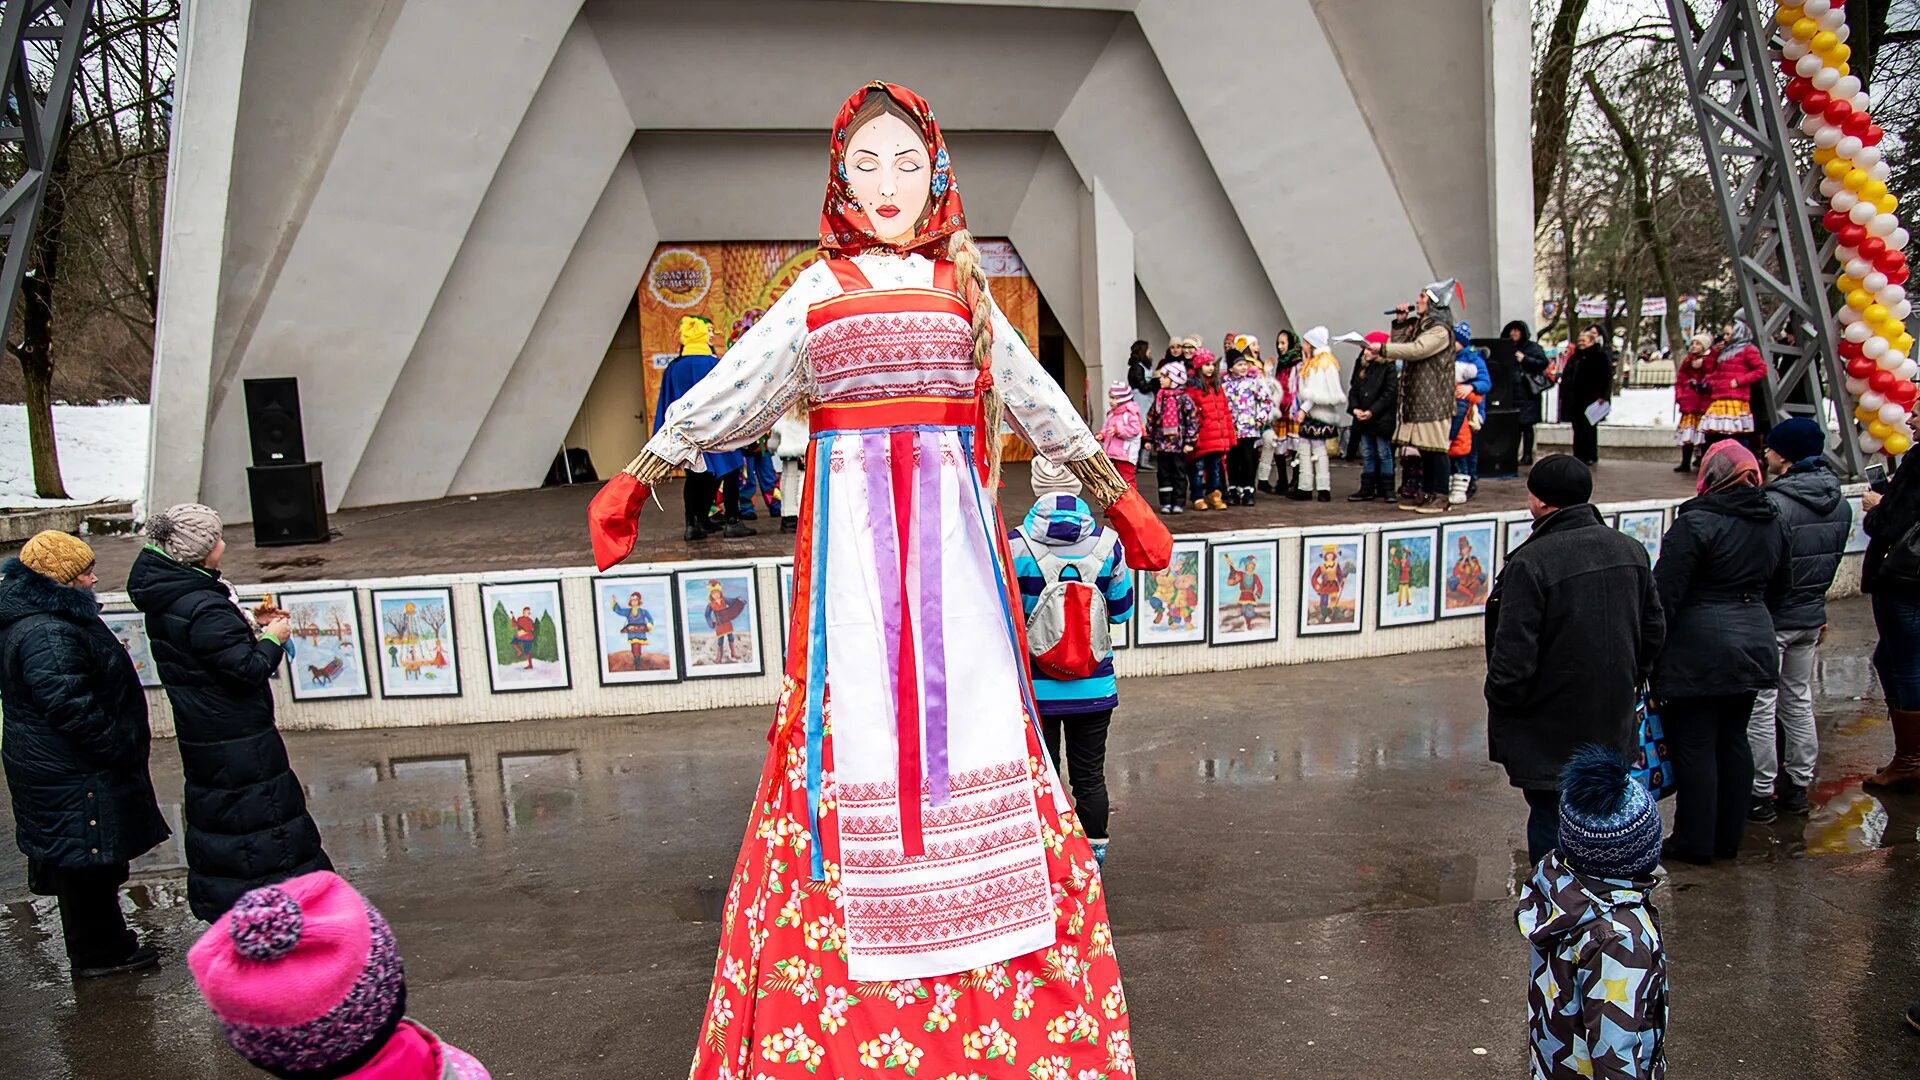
x=788, y=444
x=1323, y=399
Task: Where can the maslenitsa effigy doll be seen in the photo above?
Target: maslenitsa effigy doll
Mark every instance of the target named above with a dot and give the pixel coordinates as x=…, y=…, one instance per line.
x=914, y=895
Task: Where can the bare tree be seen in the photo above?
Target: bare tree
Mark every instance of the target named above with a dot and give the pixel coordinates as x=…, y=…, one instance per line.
x=1553, y=78
x=97, y=250
x=1643, y=216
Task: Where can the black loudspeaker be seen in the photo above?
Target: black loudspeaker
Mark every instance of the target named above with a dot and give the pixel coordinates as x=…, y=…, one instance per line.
x=289, y=504
x=273, y=421
x=1499, y=437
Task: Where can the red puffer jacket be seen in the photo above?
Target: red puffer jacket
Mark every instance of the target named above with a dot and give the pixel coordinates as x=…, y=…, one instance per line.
x=1686, y=397
x=1733, y=374
x=1216, y=422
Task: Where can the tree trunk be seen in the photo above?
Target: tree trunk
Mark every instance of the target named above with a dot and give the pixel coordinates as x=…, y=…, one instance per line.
x=35, y=350
x=1867, y=25
x=1643, y=207
x=1551, y=112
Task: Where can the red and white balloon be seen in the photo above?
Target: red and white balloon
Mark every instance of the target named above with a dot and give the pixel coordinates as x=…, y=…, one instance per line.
x=1836, y=113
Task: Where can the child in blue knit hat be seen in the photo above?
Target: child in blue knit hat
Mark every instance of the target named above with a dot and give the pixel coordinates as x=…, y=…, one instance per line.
x=1597, y=1004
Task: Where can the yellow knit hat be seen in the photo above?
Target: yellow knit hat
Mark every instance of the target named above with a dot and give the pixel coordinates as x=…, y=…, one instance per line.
x=696, y=335
x=57, y=555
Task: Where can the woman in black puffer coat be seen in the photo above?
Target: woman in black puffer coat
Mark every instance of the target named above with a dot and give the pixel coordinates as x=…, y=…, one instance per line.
x=1724, y=568
x=75, y=748
x=247, y=820
x=1529, y=363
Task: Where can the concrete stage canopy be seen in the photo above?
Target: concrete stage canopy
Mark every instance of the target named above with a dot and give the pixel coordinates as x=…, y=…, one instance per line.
x=435, y=213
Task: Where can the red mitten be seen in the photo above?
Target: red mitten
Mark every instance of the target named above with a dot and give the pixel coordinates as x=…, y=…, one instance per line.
x=1148, y=544
x=613, y=518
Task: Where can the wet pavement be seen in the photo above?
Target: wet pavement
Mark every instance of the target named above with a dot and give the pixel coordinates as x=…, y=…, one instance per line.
x=1312, y=875
x=526, y=530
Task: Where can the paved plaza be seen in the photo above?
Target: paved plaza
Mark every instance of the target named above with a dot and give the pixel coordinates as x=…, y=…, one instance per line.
x=1312, y=875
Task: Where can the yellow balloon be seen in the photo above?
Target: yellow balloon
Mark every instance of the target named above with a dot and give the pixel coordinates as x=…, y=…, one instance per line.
x=1823, y=155
x=1864, y=414
x=1836, y=167
x=1844, y=70
x=1887, y=204
x=1804, y=28
x=1856, y=179
x=1839, y=55
x=1898, y=443
x=1879, y=430
x=1789, y=14
x=1859, y=299
x=1822, y=41
x=1874, y=190
x=1874, y=314
x=1847, y=285
x=1903, y=343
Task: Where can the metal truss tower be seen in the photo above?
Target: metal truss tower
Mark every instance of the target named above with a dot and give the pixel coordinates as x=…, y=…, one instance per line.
x=1769, y=206
x=31, y=120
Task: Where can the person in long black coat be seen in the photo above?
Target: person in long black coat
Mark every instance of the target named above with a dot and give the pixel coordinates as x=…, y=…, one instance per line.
x=75, y=748
x=1724, y=569
x=247, y=820
x=1573, y=625
x=1529, y=363
x=1588, y=378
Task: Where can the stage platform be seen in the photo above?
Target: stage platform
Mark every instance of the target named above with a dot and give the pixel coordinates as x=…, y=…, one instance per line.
x=526, y=530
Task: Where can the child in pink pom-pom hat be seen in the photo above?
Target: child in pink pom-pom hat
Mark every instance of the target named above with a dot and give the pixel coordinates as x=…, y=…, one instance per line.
x=307, y=984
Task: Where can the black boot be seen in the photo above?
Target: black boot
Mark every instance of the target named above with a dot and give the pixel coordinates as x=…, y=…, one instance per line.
x=735, y=530
x=1365, y=494
x=696, y=532
x=1686, y=458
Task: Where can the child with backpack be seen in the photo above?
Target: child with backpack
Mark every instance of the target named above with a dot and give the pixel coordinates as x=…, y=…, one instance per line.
x=1074, y=585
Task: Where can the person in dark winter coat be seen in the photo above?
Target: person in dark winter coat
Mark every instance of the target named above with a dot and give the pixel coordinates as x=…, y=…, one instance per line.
x=1573, y=625
x=1891, y=576
x=1530, y=369
x=1805, y=495
x=1723, y=571
x=1588, y=378
x=75, y=749
x=247, y=820
x=1597, y=992
x=1374, y=401
x=1422, y=339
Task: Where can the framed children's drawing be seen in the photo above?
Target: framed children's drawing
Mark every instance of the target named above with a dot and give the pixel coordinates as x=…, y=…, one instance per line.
x=1408, y=584
x=1516, y=534
x=1466, y=567
x=1645, y=526
x=324, y=645
x=633, y=620
x=1171, y=604
x=1245, y=583
x=1856, y=536
x=786, y=606
x=1332, y=582
x=130, y=630
x=526, y=636
x=719, y=622
x=418, y=655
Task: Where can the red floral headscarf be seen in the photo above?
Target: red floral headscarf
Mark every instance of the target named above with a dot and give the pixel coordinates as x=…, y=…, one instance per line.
x=844, y=228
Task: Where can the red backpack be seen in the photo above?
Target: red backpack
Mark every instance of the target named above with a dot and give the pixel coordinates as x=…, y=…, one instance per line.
x=1068, y=634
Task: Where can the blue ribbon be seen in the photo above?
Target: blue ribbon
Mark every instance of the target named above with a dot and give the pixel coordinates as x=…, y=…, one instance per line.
x=817, y=648
x=1000, y=589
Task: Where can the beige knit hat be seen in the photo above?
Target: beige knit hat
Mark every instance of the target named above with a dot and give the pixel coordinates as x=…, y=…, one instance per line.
x=1051, y=479
x=188, y=533
x=57, y=555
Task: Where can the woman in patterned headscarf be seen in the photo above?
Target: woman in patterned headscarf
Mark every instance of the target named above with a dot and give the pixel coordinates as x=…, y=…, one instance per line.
x=919, y=855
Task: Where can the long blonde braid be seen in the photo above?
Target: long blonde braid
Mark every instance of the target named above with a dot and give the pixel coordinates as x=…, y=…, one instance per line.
x=972, y=279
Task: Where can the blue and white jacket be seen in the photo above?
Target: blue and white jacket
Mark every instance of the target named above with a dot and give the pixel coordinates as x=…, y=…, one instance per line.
x=1065, y=525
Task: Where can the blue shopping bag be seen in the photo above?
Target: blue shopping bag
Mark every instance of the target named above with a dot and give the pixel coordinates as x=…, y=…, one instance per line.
x=1652, y=766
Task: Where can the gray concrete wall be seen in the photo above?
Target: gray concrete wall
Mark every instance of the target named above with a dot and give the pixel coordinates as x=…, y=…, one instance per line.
x=433, y=212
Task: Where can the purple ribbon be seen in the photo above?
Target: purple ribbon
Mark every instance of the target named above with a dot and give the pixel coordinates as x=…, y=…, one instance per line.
x=933, y=640
x=886, y=556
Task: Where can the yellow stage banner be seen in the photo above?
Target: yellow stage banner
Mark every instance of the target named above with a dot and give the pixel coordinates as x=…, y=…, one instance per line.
x=735, y=282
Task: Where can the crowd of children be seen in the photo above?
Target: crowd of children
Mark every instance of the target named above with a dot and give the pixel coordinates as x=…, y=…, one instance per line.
x=1219, y=431
x=1712, y=391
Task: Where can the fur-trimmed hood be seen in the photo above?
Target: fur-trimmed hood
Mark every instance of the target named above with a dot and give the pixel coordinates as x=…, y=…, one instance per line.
x=25, y=592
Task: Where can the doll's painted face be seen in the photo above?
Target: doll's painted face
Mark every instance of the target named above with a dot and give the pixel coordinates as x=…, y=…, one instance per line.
x=888, y=169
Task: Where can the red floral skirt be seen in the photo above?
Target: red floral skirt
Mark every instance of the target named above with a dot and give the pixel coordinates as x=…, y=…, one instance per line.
x=782, y=1005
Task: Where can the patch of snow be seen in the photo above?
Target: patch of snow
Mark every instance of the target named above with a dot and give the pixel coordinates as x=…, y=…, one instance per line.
x=103, y=454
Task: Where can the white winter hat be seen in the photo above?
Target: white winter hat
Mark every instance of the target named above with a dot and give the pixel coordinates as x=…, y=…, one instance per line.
x=1317, y=337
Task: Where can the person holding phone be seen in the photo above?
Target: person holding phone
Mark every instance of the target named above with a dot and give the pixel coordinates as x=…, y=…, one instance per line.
x=1891, y=577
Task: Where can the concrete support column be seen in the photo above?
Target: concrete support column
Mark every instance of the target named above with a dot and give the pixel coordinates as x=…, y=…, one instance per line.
x=213, y=49
x=1509, y=76
x=1107, y=295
